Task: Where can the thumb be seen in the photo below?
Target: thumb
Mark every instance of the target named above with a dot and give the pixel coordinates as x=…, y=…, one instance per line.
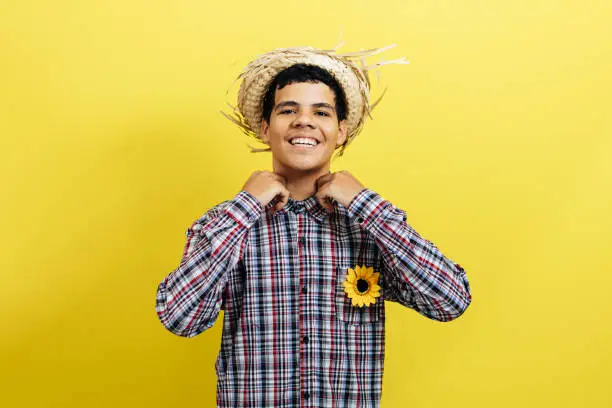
x=324, y=201
x=283, y=198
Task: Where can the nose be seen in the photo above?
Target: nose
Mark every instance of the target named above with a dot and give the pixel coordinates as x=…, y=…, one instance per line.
x=303, y=119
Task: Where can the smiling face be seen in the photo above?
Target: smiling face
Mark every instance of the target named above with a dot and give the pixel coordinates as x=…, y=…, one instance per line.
x=304, y=131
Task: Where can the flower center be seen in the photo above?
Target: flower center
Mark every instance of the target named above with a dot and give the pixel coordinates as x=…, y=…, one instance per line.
x=362, y=285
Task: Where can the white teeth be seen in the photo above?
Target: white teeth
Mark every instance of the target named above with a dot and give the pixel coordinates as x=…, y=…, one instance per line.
x=303, y=141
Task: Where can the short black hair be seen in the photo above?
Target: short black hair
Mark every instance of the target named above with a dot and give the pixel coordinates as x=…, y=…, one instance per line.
x=299, y=73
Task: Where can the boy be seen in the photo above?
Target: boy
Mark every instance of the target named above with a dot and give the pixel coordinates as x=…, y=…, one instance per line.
x=301, y=260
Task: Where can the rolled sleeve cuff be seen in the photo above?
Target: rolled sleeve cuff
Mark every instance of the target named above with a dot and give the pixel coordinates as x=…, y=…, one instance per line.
x=245, y=208
x=367, y=206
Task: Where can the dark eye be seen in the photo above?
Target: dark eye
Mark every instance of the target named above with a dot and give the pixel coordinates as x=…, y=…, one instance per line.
x=321, y=113
x=285, y=111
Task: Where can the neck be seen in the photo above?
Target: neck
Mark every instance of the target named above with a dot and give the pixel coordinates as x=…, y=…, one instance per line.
x=301, y=183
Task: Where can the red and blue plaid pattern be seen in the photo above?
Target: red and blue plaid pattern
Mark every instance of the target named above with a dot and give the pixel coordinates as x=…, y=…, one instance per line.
x=291, y=337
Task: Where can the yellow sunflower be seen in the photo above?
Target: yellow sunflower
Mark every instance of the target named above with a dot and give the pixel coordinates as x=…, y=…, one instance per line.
x=361, y=285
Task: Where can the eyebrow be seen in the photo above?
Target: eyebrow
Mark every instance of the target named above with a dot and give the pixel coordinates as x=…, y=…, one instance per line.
x=295, y=104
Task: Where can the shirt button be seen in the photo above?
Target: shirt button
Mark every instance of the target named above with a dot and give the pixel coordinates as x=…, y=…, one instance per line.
x=305, y=340
x=360, y=219
x=302, y=241
x=304, y=290
x=306, y=395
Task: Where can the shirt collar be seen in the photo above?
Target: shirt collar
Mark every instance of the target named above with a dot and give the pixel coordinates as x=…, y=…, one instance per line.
x=309, y=205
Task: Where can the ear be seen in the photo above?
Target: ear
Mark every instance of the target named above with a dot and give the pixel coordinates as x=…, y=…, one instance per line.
x=342, y=133
x=265, y=127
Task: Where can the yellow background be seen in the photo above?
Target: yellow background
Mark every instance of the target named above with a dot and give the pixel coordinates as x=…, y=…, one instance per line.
x=496, y=139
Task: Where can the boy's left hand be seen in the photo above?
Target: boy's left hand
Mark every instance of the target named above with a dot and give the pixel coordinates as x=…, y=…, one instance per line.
x=340, y=186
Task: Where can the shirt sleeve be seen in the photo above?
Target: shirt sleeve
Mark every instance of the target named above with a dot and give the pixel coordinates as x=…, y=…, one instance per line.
x=415, y=272
x=189, y=299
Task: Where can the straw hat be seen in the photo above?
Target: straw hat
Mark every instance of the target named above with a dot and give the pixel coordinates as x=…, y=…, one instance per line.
x=349, y=69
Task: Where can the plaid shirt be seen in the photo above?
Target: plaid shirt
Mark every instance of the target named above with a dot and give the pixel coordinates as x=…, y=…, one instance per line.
x=290, y=334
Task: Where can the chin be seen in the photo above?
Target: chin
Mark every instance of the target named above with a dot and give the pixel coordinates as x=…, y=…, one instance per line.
x=304, y=165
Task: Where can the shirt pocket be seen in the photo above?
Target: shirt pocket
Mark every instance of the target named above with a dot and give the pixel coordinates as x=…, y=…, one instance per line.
x=343, y=308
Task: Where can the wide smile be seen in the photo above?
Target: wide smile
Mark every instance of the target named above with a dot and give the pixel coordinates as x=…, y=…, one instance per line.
x=304, y=143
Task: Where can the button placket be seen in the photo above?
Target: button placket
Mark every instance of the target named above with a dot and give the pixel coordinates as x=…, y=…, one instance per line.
x=304, y=339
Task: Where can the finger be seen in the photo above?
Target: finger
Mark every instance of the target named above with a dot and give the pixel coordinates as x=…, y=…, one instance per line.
x=323, y=199
x=322, y=180
x=328, y=204
x=278, y=206
x=283, y=198
x=273, y=203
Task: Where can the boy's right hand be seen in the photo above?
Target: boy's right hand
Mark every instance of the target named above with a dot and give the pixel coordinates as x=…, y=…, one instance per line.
x=265, y=186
